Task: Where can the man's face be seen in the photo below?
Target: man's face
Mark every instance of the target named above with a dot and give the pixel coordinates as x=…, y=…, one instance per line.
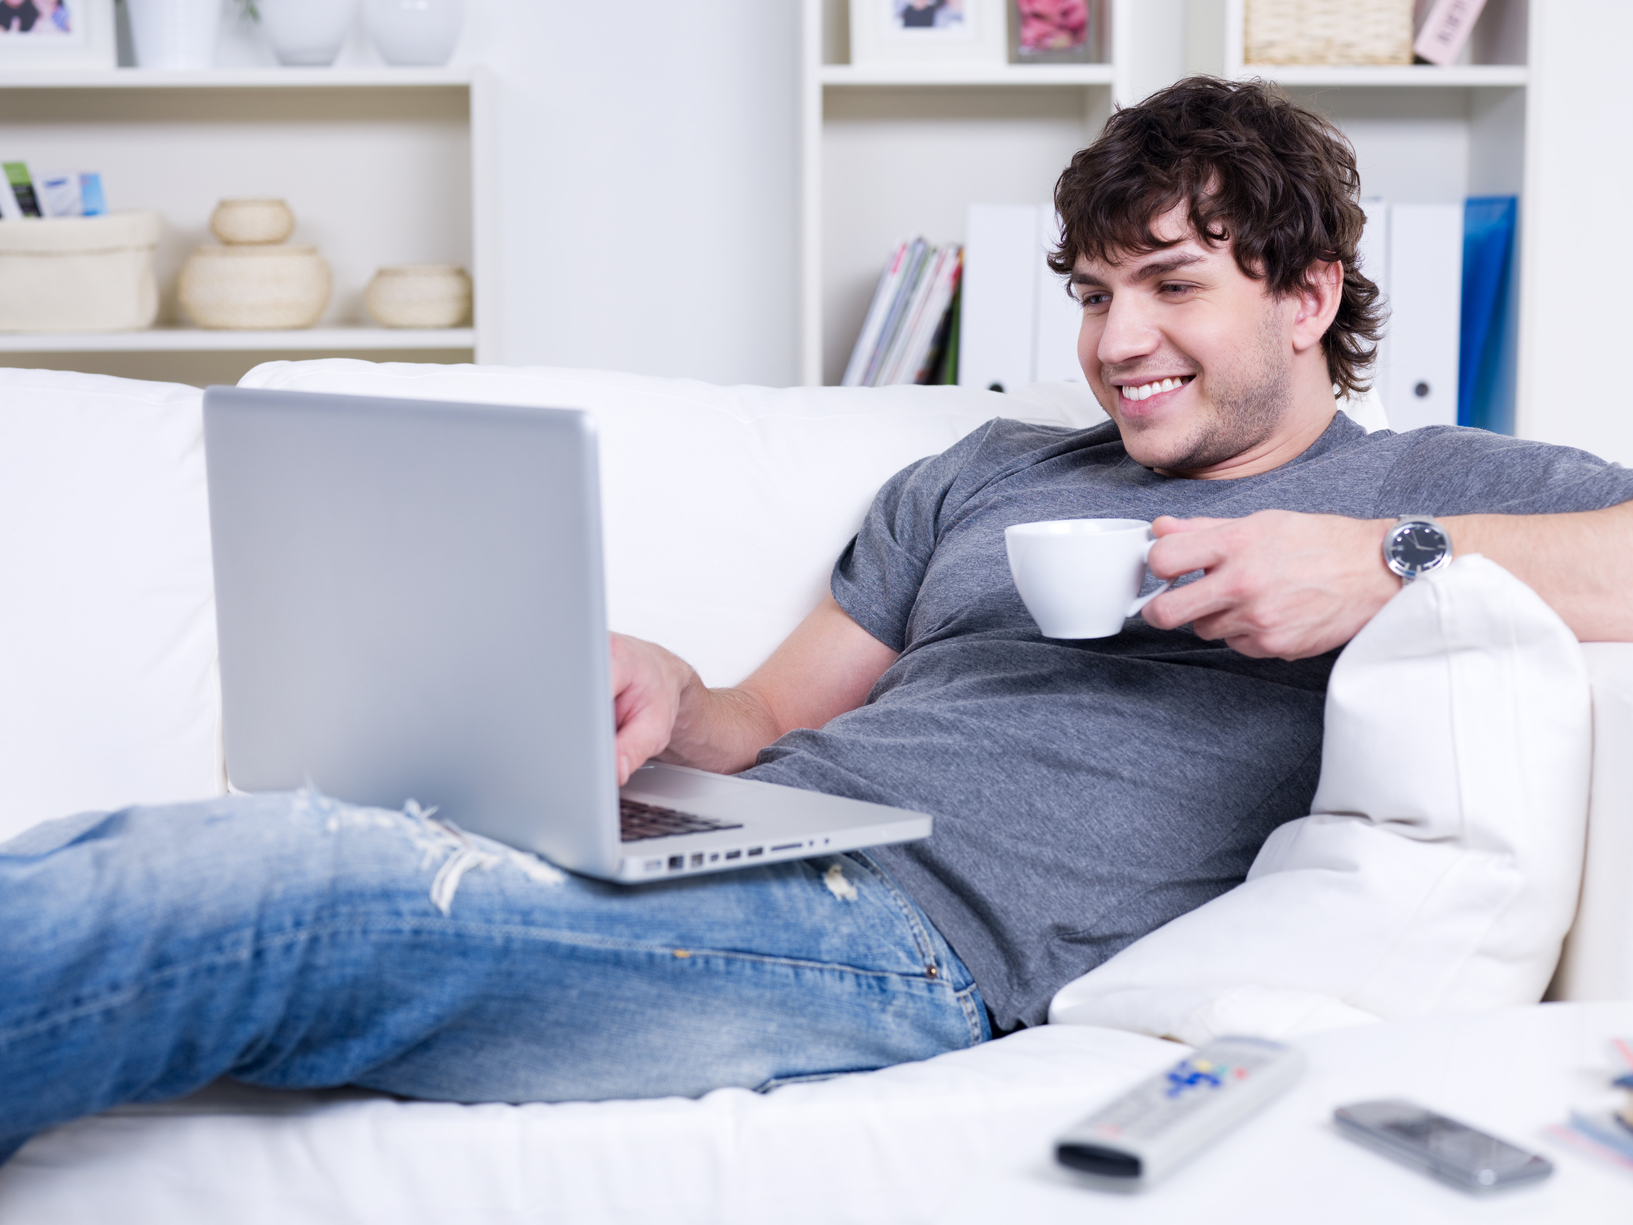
x=1191, y=357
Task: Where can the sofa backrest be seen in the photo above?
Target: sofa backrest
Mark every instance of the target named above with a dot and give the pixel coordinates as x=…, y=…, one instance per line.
x=723, y=507
x=108, y=693
x=724, y=510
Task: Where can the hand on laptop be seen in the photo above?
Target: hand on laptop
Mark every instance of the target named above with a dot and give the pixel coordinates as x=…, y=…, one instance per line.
x=663, y=710
x=647, y=687
x=1277, y=584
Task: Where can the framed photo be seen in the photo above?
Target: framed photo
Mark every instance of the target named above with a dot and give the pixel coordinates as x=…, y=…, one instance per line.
x=916, y=31
x=57, y=34
x=1057, y=31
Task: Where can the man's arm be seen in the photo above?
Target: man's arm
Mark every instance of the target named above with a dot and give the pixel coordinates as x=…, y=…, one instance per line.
x=1293, y=585
x=663, y=710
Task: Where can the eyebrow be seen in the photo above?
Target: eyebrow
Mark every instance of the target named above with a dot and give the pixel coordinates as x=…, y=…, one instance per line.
x=1147, y=272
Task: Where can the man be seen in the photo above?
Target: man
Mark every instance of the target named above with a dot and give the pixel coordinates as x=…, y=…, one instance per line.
x=1084, y=792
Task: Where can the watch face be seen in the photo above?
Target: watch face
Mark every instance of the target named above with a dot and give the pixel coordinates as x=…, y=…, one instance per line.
x=1417, y=547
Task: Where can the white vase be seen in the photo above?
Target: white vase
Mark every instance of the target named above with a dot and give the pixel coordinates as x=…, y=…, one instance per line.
x=306, y=32
x=174, y=33
x=414, y=31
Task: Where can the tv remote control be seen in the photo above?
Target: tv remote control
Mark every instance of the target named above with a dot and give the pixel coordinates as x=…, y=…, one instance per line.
x=1154, y=1127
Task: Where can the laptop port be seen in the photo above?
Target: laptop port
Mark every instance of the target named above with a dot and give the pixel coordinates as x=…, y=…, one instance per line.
x=787, y=846
x=734, y=854
x=755, y=850
x=653, y=865
x=714, y=856
x=697, y=859
x=677, y=862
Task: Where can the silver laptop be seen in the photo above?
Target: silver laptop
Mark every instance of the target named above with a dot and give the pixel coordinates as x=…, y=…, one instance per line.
x=410, y=604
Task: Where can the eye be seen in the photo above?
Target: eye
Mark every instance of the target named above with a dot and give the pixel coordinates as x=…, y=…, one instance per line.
x=1175, y=289
x=1092, y=299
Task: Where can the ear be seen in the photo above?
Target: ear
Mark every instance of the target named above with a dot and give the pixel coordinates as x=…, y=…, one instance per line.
x=1316, y=303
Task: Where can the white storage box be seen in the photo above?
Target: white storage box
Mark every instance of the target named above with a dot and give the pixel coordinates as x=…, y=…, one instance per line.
x=79, y=274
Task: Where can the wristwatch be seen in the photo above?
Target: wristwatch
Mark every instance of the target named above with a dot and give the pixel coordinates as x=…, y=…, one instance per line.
x=1416, y=545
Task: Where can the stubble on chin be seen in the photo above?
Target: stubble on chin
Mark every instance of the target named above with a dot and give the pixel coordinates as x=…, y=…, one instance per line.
x=1248, y=399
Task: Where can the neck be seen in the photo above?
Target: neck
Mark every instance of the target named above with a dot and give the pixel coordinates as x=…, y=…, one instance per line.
x=1295, y=434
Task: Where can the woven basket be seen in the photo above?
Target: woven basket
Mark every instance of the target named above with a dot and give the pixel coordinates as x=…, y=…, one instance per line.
x=254, y=287
x=419, y=296
x=1328, y=32
x=252, y=221
x=79, y=274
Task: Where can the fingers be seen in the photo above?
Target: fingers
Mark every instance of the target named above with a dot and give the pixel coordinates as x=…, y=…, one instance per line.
x=645, y=703
x=1167, y=525
x=1190, y=544
x=1191, y=603
x=642, y=736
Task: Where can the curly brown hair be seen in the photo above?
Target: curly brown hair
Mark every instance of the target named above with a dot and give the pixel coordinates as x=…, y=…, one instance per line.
x=1252, y=168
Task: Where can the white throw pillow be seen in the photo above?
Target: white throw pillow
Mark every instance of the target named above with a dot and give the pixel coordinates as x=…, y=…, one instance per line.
x=1440, y=866
x=724, y=508
x=108, y=693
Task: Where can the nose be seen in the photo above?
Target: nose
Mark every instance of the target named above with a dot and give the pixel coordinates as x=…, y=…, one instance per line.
x=1128, y=332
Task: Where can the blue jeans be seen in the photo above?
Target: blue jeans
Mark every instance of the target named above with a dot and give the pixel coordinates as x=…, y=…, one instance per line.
x=294, y=941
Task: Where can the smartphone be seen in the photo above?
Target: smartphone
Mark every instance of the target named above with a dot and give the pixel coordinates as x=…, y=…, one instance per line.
x=1451, y=1151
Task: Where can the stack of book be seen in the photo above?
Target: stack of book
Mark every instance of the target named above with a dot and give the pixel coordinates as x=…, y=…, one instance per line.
x=910, y=334
x=1607, y=1135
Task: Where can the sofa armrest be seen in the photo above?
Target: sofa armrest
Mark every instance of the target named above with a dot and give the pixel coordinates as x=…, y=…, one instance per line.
x=1598, y=959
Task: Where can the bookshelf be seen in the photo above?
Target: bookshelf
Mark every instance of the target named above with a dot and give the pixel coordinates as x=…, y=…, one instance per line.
x=1423, y=134
x=381, y=165
x=888, y=153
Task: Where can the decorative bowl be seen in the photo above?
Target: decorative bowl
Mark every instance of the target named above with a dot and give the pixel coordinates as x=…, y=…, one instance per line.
x=248, y=287
x=252, y=221
x=420, y=296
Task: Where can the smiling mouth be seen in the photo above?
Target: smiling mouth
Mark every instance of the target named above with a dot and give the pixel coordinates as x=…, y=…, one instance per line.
x=1144, y=391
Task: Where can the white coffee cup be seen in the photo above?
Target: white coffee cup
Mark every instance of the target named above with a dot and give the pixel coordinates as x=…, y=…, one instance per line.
x=1079, y=578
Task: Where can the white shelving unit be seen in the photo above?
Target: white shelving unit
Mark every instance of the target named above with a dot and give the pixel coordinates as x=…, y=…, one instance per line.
x=381, y=165
x=891, y=152
x=1423, y=134
x=200, y=340
x=887, y=152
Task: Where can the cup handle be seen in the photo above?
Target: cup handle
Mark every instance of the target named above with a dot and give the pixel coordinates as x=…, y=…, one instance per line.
x=1141, y=601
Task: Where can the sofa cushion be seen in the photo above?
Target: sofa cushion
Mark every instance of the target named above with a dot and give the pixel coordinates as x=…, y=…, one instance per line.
x=723, y=507
x=1439, y=868
x=898, y=1145
x=108, y=692
x=1598, y=960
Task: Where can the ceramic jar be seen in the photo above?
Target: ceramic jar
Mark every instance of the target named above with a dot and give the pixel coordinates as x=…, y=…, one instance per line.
x=306, y=32
x=420, y=296
x=261, y=286
x=174, y=33
x=252, y=221
x=421, y=32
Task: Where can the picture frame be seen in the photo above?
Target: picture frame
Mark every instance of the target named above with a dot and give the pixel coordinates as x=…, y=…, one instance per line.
x=1057, y=31
x=928, y=31
x=57, y=34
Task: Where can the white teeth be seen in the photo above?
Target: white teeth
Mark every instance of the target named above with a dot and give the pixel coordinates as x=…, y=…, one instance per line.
x=1146, y=390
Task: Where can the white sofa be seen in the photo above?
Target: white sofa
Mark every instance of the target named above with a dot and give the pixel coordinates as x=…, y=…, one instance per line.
x=724, y=509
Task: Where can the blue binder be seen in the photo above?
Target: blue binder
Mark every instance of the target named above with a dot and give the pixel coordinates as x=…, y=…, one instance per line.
x=1485, y=384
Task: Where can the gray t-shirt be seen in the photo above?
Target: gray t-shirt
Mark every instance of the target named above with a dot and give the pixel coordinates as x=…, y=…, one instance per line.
x=1087, y=792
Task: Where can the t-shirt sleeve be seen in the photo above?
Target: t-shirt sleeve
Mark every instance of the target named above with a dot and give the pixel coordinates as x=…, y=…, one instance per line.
x=877, y=577
x=1450, y=471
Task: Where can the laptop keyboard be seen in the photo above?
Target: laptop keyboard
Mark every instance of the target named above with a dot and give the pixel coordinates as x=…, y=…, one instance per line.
x=638, y=821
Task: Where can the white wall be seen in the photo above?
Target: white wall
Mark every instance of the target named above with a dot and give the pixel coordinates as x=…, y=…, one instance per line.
x=647, y=154
x=1578, y=262
x=649, y=204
